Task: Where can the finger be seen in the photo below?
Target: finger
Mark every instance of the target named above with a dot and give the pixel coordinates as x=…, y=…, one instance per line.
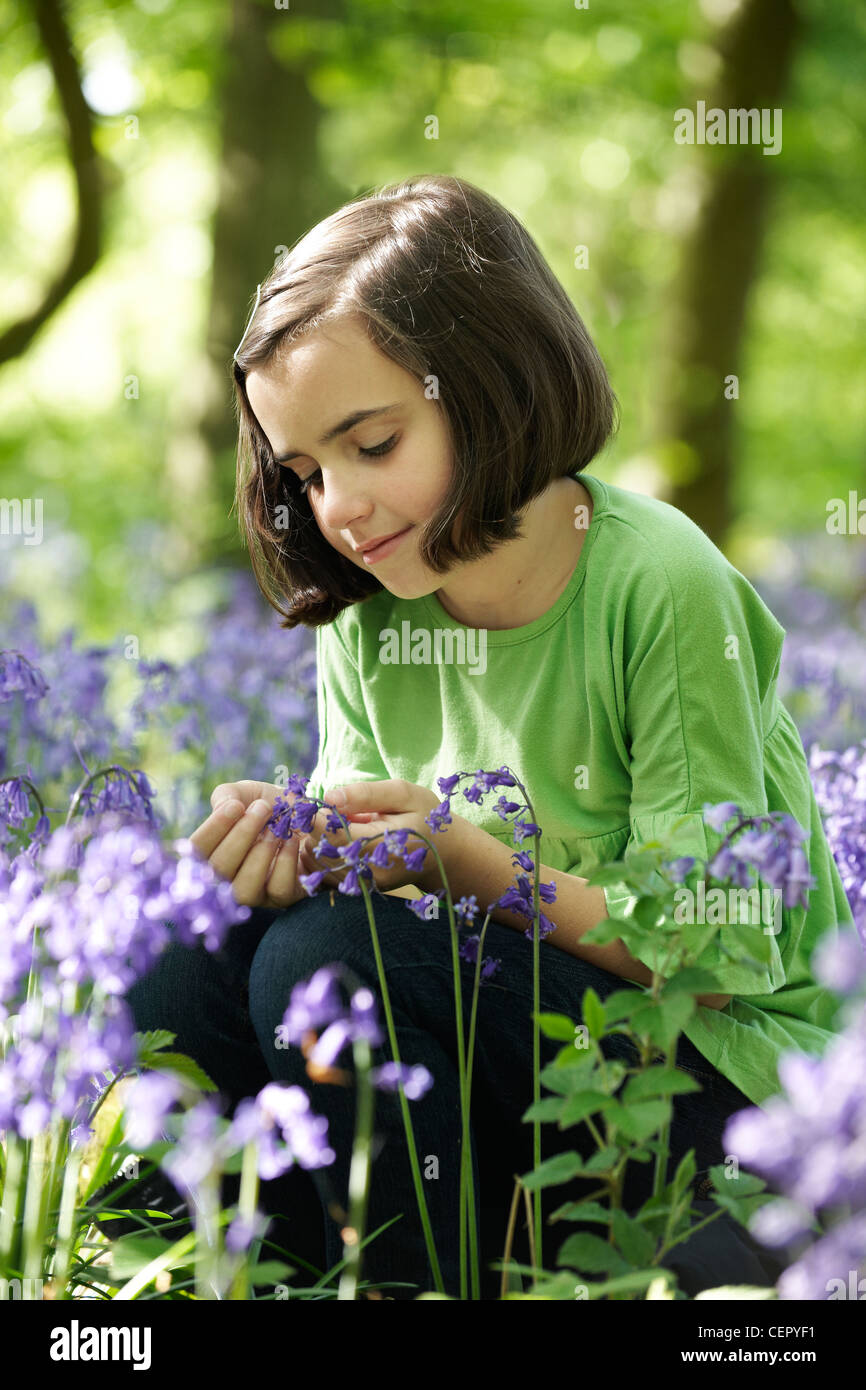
x=390, y=795
x=212, y=831
x=250, y=882
x=282, y=882
x=231, y=850
x=245, y=792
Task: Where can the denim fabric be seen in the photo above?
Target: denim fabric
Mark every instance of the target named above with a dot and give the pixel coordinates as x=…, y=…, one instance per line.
x=226, y=1008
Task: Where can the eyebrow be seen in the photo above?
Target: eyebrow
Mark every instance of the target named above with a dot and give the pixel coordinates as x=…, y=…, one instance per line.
x=345, y=425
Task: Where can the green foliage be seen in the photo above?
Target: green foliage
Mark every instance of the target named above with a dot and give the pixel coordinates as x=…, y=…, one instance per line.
x=133, y=480
x=630, y=1107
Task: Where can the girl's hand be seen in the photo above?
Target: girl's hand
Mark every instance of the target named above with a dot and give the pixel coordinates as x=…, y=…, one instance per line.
x=372, y=808
x=262, y=870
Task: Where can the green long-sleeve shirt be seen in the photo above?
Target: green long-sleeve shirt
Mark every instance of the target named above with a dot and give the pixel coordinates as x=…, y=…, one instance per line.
x=624, y=707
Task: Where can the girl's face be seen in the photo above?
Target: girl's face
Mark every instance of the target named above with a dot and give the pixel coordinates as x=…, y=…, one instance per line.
x=366, y=478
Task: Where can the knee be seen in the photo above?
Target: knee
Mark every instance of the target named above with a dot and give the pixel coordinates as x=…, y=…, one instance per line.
x=167, y=996
x=299, y=942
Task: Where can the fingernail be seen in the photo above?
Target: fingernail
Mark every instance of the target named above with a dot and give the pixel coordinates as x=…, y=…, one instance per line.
x=231, y=809
x=337, y=797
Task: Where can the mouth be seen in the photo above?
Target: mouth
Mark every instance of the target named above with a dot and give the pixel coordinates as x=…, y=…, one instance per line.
x=374, y=553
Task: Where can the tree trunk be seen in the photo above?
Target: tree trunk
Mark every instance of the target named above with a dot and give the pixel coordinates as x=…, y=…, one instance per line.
x=719, y=264
x=271, y=191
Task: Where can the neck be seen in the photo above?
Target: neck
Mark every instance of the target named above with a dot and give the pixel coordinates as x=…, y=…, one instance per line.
x=524, y=577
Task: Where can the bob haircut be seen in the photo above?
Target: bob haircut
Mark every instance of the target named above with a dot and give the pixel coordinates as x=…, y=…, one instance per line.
x=452, y=288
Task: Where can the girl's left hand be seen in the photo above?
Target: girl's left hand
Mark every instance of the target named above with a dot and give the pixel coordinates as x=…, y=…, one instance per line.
x=372, y=808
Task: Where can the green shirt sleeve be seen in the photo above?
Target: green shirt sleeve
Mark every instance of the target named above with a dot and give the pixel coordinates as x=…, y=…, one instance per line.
x=699, y=656
x=347, y=748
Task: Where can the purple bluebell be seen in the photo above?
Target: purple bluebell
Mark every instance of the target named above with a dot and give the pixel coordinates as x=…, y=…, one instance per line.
x=416, y=1081
x=151, y=1097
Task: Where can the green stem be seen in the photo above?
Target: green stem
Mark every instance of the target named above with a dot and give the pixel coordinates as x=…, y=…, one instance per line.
x=125, y=1071
x=476, y=1293
x=467, y=1186
x=91, y=777
x=207, y=1239
x=404, y=1105
x=247, y=1198
x=65, y=1224
x=25, y=781
x=16, y=1158
x=34, y=1204
x=536, y=1047
x=359, y=1172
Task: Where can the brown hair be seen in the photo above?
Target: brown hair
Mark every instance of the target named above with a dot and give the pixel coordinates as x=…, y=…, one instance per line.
x=451, y=286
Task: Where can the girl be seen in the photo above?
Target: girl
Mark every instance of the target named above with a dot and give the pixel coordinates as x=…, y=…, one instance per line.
x=418, y=402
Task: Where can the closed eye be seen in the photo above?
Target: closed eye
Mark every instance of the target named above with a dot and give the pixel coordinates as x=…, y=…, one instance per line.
x=376, y=452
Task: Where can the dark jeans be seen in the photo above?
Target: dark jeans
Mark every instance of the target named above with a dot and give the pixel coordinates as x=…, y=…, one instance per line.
x=226, y=1008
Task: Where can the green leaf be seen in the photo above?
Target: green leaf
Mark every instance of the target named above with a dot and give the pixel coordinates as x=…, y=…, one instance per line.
x=576, y=1108
x=744, y=1185
x=647, y=912
x=556, y=1026
x=556, y=1288
x=658, y=1081
x=636, y=1243
x=685, y=1173
x=593, y=1013
x=640, y=1120
x=270, y=1272
x=588, y=1253
x=608, y=929
x=570, y=1075
x=559, y=1168
x=613, y=1077
x=633, y=1282
x=131, y=1253
x=603, y=1160
x=184, y=1066
x=692, y=981
x=152, y=1042
x=548, y=1108
x=582, y=1211
x=664, y=1021
x=741, y=1196
x=623, y=1003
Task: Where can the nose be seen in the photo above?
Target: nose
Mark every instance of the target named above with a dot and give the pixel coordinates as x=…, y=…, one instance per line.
x=343, y=500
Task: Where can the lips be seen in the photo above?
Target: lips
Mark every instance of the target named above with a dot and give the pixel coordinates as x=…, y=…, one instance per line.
x=372, y=545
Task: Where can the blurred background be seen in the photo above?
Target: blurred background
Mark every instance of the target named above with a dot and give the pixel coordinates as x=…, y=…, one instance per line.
x=159, y=155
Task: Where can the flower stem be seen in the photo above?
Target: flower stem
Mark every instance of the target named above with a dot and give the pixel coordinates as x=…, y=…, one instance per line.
x=247, y=1198
x=25, y=782
x=536, y=1048
x=404, y=1104
x=359, y=1172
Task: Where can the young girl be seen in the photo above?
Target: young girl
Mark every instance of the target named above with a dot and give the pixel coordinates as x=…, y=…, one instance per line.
x=418, y=402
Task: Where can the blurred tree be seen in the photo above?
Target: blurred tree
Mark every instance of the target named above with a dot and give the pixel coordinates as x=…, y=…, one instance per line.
x=273, y=186
x=719, y=265
x=92, y=176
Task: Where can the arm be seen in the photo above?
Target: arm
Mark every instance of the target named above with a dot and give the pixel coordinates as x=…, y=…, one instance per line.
x=478, y=863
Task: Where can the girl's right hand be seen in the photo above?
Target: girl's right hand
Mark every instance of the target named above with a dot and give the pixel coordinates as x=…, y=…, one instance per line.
x=262, y=870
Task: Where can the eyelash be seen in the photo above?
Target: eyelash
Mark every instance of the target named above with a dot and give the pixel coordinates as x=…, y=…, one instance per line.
x=375, y=452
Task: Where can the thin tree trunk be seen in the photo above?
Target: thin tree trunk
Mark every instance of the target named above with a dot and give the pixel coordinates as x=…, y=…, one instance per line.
x=91, y=173
x=720, y=262
x=271, y=191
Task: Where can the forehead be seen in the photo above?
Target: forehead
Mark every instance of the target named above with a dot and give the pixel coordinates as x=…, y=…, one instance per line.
x=334, y=365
